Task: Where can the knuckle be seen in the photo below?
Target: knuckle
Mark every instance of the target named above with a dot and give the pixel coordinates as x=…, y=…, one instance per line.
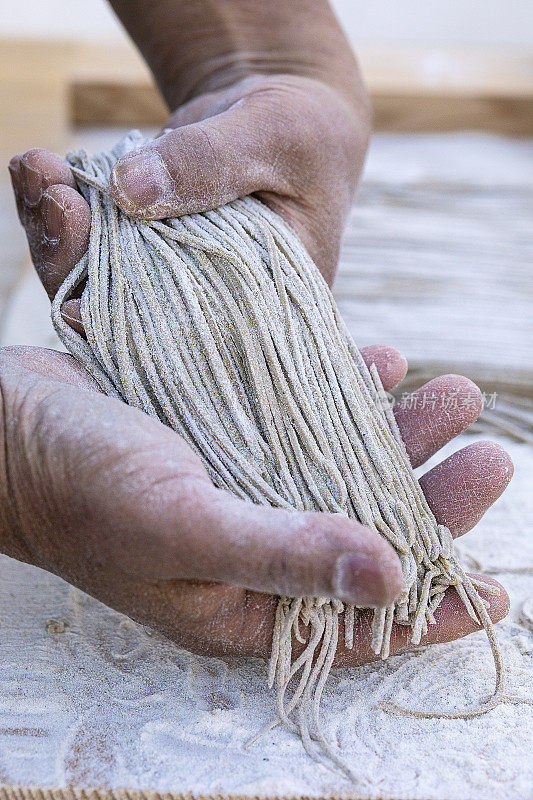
x=315, y=136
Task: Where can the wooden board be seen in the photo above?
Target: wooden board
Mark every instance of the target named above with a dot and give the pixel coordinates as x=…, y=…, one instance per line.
x=418, y=112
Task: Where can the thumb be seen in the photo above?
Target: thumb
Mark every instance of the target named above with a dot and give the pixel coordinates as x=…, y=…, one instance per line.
x=198, y=167
x=213, y=535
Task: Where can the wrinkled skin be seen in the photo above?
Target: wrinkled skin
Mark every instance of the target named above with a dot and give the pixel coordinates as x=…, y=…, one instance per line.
x=116, y=503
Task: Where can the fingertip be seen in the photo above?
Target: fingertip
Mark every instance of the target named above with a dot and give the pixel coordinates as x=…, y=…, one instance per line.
x=65, y=227
x=498, y=459
x=66, y=214
x=53, y=213
x=461, y=488
x=32, y=184
x=118, y=181
x=366, y=581
x=286, y=553
x=142, y=186
x=51, y=167
x=367, y=571
x=390, y=364
x=435, y=413
x=499, y=604
x=464, y=395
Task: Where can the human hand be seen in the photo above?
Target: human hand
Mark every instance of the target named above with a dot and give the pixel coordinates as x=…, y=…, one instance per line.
x=267, y=98
x=117, y=504
x=294, y=142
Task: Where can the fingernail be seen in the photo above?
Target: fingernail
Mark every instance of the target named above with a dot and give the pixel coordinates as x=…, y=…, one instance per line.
x=32, y=184
x=362, y=579
x=53, y=219
x=141, y=182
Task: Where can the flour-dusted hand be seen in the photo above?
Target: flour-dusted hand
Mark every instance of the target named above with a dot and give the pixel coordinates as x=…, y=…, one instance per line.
x=118, y=505
x=267, y=98
x=295, y=142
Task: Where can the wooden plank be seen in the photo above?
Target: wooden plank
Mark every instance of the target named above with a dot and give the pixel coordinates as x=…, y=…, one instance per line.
x=425, y=112
x=109, y=103
x=104, y=102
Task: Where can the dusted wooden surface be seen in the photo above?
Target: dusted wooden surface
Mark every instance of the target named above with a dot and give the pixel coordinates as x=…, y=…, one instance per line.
x=35, y=793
